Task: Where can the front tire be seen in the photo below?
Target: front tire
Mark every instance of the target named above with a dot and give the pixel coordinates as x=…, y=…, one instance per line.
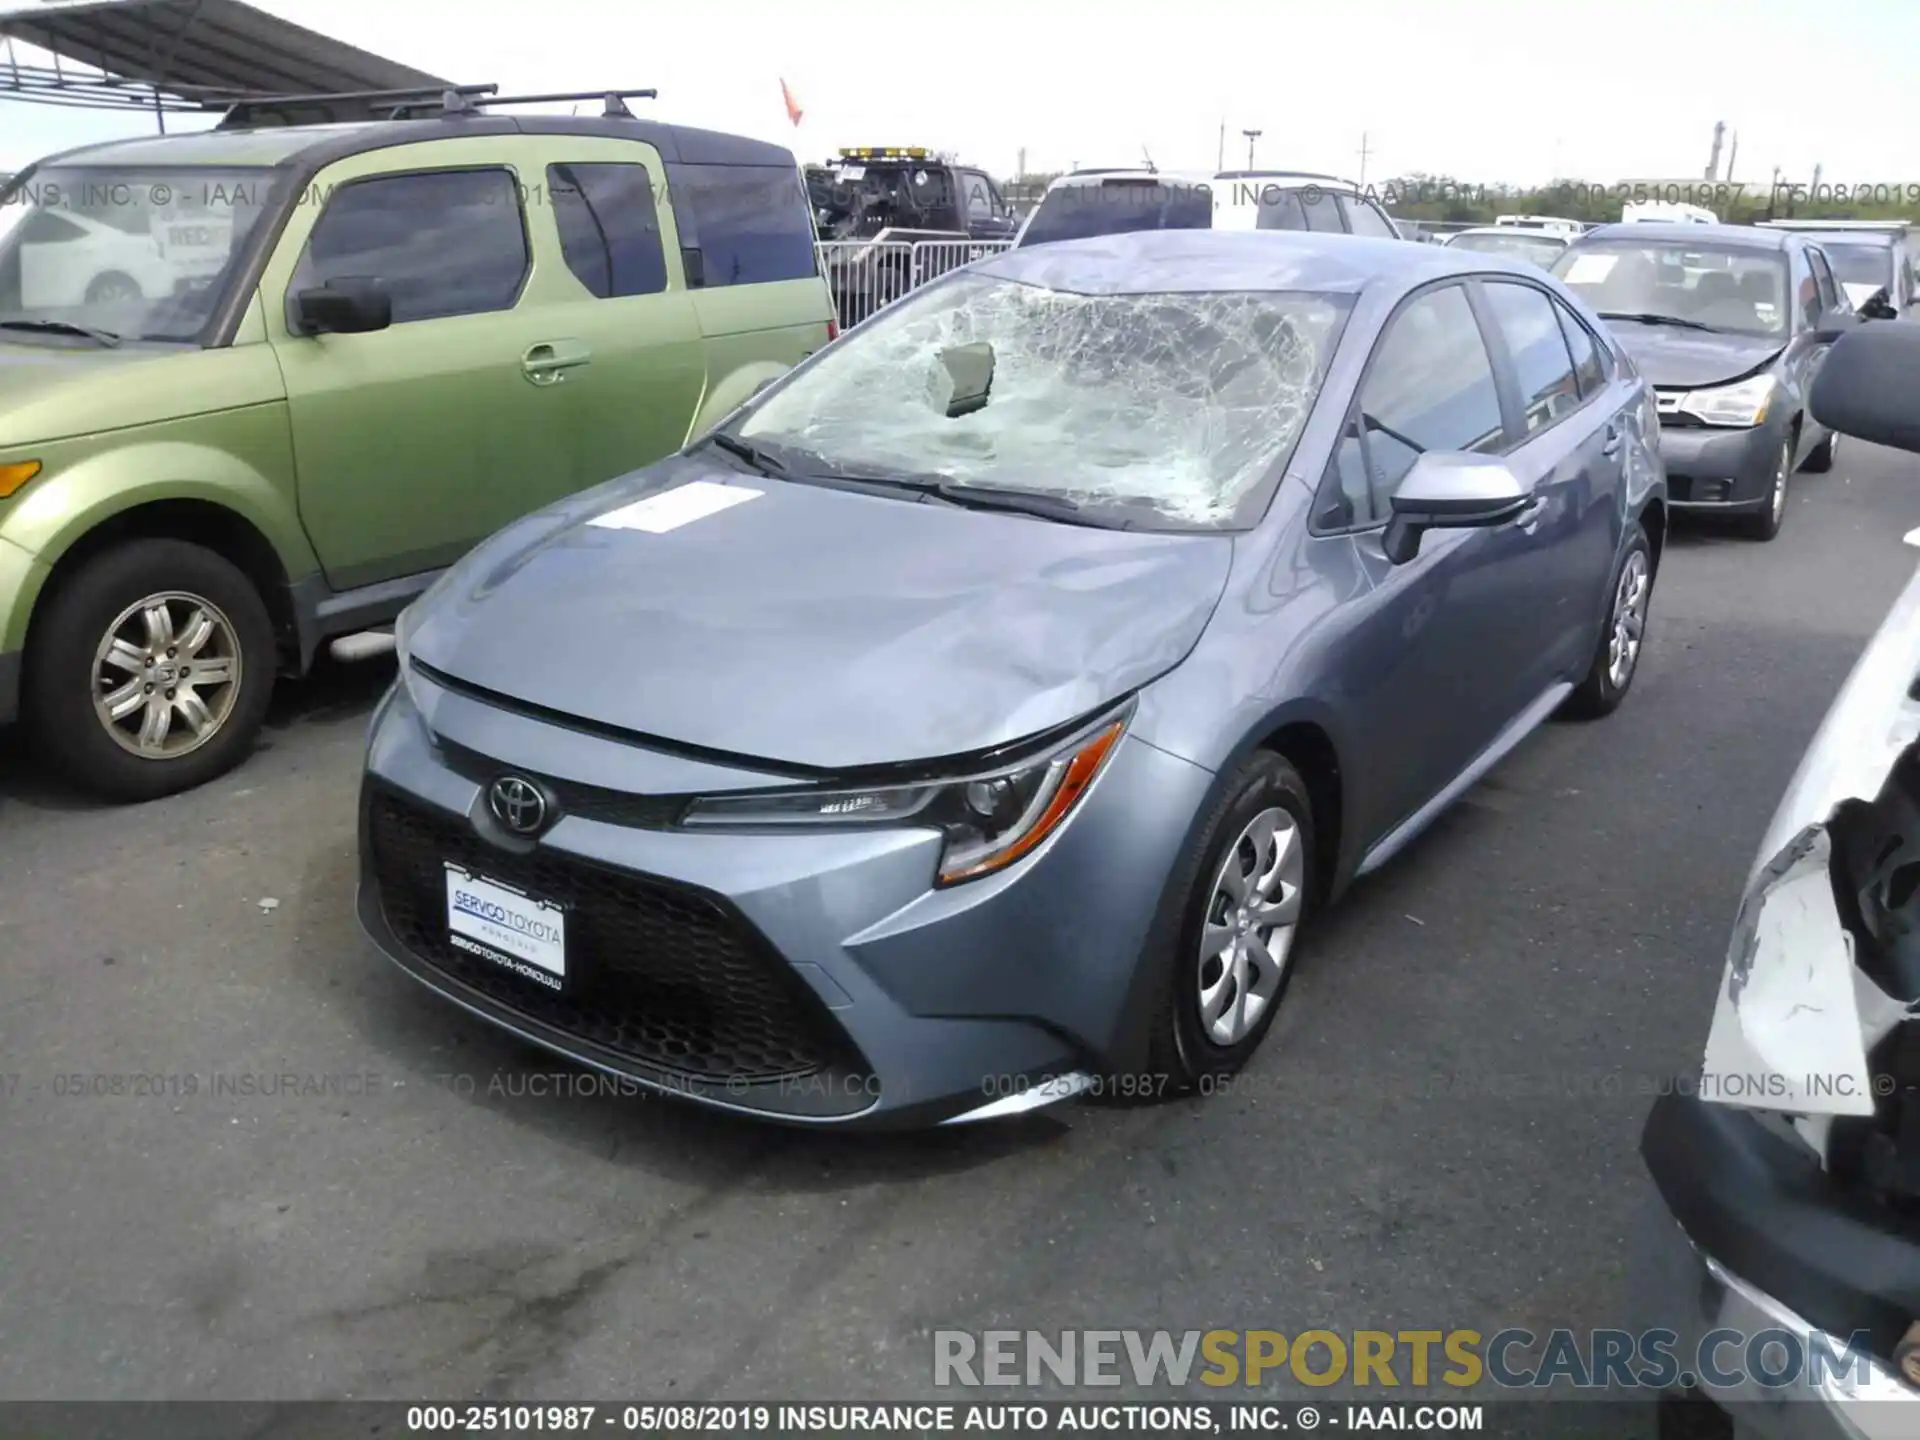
x=1765, y=522
x=149, y=671
x=1622, y=639
x=1248, y=883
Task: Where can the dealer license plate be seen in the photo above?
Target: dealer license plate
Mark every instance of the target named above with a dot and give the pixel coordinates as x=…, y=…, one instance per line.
x=507, y=927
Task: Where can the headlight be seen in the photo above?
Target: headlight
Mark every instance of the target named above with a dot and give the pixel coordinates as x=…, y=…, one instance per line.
x=989, y=819
x=1744, y=404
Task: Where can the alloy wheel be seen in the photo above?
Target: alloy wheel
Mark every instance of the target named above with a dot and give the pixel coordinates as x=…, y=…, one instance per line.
x=1253, y=910
x=166, y=675
x=1629, y=619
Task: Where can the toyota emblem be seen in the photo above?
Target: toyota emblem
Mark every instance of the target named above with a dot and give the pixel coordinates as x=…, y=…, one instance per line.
x=518, y=805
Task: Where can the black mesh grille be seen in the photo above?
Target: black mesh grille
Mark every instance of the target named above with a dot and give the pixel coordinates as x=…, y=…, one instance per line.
x=659, y=972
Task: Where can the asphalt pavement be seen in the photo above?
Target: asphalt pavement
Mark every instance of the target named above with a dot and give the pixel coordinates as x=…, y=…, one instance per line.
x=332, y=1184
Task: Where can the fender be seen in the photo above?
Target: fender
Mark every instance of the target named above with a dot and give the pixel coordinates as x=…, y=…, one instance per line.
x=731, y=392
x=61, y=507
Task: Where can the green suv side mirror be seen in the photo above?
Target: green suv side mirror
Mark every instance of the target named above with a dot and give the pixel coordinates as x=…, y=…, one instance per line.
x=341, y=307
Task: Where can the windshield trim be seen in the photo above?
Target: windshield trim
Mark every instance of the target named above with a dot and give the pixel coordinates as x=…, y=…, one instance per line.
x=233, y=283
x=1248, y=512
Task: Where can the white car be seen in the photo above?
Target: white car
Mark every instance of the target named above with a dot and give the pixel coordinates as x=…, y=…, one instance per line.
x=1118, y=202
x=69, y=260
x=1789, y=1170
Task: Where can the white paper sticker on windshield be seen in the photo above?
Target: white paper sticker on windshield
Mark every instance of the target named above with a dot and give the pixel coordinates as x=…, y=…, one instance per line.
x=1590, y=269
x=669, y=510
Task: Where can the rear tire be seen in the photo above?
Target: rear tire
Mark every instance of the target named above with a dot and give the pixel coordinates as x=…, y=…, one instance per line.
x=1616, y=660
x=1248, y=882
x=103, y=666
x=1822, y=458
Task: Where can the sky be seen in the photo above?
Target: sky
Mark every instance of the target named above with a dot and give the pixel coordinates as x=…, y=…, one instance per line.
x=1482, y=90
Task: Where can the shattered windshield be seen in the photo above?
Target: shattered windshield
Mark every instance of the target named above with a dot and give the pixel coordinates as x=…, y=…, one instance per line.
x=1176, y=406
x=136, y=253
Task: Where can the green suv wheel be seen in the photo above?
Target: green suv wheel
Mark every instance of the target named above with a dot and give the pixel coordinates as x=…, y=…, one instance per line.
x=149, y=670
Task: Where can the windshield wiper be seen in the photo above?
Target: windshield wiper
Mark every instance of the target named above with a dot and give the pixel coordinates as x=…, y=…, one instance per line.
x=758, y=457
x=1647, y=317
x=63, y=327
x=980, y=497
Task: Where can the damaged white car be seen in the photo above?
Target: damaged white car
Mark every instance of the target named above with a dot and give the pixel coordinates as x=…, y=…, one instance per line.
x=1793, y=1170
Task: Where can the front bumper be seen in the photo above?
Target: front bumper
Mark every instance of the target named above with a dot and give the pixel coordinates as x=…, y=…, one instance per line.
x=814, y=979
x=1718, y=469
x=1754, y=1240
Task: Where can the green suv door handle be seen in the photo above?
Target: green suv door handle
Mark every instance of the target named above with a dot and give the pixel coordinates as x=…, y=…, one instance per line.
x=548, y=362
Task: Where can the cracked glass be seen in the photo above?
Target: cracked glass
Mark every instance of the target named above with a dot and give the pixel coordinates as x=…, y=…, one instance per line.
x=1177, y=404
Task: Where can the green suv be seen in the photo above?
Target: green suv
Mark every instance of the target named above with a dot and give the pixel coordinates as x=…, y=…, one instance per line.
x=259, y=386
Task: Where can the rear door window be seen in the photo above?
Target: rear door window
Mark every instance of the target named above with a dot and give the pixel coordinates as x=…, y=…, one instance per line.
x=609, y=228
x=752, y=223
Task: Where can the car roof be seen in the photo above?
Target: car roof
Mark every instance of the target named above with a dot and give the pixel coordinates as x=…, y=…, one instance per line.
x=309, y=146
x=1540, y=232
x=1886, y=239
x=1193, y=261
x=1744, y=236
x=1204, y=177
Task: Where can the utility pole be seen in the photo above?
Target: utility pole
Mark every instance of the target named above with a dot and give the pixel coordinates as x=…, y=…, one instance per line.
x=1713, y=160
x=1023, y=163
x=1252, y=135
x=1221, y=163
x=1733, y=154
x=1364, y=152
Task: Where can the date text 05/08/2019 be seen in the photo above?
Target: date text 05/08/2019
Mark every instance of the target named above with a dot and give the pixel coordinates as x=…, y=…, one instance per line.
x=921, y=1419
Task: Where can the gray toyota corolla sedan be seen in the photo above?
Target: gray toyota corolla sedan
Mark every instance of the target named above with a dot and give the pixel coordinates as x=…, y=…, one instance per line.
x=972, y=718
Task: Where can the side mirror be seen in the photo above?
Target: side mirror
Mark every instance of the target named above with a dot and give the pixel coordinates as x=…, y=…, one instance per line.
x=1878, y=306
x=1451, y=492
x=342, y=307
x=1868, y=386
x=694, y=262
x=1833, y=325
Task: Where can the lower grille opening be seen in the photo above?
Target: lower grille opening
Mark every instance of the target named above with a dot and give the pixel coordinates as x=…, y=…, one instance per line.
x=660, y=974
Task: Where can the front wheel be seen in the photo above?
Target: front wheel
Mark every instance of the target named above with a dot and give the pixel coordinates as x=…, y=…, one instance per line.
x=1249, y=880
x=1617, y=657
x=1764, y=523
x=150, y=670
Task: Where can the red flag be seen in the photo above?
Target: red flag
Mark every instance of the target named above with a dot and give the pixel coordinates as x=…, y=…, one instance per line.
x=794, y=112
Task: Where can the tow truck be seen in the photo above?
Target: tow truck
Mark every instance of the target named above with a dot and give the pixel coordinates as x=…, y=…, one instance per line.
x=911, y=213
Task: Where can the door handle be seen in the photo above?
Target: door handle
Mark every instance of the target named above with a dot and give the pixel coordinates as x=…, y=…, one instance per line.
x=548, y=362
x=1529, y=513
x=1615, y=437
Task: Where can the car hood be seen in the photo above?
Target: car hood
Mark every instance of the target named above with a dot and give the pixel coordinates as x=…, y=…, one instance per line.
x=816, y=628
x=57, y=390
x=1807, y=995
x=1687, y=359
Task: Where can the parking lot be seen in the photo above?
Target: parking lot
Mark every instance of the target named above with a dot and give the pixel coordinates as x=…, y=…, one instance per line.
x=336, y=1185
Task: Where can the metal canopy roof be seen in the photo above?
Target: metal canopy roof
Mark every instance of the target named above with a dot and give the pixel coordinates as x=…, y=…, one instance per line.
x=180, y=55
